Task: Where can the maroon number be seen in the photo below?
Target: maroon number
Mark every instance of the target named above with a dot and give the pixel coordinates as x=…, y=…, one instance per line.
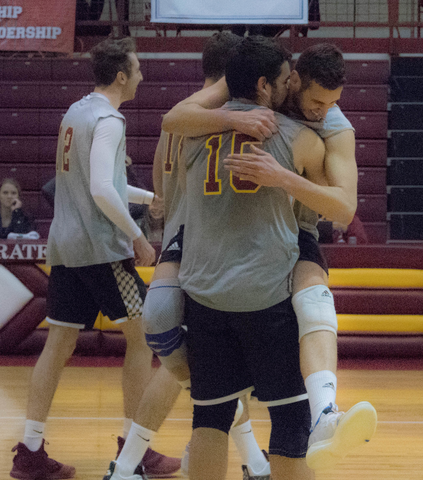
x=239, y=142
x=66, y=149
x=212, y=184
x=168, y=164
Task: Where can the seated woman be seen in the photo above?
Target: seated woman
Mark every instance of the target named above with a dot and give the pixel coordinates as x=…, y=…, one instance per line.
x=12, y=218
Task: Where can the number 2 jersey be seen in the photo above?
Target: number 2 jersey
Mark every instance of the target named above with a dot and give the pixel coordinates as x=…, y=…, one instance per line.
x=240, y=239
x=81, y=234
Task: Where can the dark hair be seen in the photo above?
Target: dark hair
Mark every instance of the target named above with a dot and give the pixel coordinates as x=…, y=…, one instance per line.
x=216, y=53
x=13, y=182
x=255, y=57
x=111, y=57
x=322, y=63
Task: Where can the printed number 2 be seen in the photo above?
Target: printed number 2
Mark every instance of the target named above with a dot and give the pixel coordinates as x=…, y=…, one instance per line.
x=212, y=184
x=66, y=148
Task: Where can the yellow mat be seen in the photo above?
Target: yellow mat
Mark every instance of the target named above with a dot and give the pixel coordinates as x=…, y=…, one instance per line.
x=375, y=278
x=380, y=323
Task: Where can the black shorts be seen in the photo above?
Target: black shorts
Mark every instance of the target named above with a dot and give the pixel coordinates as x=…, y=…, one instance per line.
x=173, y=251
x=310, y=250
x=76, y=295
x=232, y=353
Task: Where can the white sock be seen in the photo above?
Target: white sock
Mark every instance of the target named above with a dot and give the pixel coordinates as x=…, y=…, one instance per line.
x=248, y=448
x=185, y=384
x=34, y=433
x=136, y=444
x=321, y=389
x=127, y=422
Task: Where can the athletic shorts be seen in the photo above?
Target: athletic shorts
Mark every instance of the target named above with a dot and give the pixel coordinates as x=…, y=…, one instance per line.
x=232, y=353
x=173, y=251
x=76, y=295
x=310, y=250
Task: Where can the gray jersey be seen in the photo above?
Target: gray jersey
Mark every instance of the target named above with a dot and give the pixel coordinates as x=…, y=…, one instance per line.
x=174, y=197
x=241, y=239
x=334, y=123
x=81, y=234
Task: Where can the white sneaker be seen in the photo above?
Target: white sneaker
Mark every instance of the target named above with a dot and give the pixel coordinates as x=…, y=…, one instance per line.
x=185, y=461
x=114, y=474
x=336, y=433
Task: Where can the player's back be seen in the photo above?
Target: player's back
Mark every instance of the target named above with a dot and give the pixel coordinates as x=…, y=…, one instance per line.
x=80, y=233
x=240, y=240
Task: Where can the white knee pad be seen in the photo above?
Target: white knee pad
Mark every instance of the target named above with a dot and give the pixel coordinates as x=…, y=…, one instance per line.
x=315, y=310
x=162, y=321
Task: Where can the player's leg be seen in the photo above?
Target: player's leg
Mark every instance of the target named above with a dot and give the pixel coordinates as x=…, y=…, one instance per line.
x=315, y=310
x=163, y=312
x=69, y=308
x=219, y=377
x=254, y=460
x=137, y=367
x=271, y=337
x=288, y=441
x=157, y=393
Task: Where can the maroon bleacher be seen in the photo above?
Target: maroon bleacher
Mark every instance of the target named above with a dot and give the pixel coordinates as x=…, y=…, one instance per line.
x=35, y=93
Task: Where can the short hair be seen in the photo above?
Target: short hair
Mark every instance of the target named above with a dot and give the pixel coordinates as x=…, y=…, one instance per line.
x=216, y=53
x=111, y=57
x=255, y=57
x=13, y=182
x=322, y=63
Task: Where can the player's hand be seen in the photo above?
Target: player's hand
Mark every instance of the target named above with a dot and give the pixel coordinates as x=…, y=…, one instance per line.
x=16, y=204
x=259, y=167
x=259, y=123
x=145, y=255
x=157, y=208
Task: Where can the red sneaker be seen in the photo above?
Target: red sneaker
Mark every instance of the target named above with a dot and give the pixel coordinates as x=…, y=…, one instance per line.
x=29, y=465
x=155, y=464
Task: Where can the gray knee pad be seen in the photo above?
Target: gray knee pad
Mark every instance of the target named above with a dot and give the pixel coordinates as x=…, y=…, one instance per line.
x=162, y=321
x=315, y=310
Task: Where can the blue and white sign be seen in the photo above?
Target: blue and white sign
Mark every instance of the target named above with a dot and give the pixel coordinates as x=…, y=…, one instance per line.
x=230, y=11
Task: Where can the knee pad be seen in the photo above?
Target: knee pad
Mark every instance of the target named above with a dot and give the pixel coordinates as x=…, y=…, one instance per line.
x=219, y=417
x=162, y=320
x=290, y=429
x=315, y=310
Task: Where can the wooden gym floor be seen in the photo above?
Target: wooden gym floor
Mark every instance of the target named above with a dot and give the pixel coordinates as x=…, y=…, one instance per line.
x=86, y=416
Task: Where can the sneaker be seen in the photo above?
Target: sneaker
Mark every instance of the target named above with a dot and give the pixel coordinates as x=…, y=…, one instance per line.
x=114, y=474
x=336, y=433
x=249, y=474
x=153, y=464
x=29, y=465
x=185, y=461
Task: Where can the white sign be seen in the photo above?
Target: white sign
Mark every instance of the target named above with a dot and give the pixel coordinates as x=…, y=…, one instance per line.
x=228, y=12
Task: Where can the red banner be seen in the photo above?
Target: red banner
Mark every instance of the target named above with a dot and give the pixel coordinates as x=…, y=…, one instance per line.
x=37, y=25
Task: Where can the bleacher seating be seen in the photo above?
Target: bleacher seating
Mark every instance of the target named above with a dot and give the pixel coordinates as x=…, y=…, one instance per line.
x=35, y=93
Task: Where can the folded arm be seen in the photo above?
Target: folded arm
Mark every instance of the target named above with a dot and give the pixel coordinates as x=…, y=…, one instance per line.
x=200, y=115
x=311, y=188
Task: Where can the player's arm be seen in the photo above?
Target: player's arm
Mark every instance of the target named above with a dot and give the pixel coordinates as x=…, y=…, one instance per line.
x=318, y=194
x=341, y=170
x=107, y=136
x=199, y=115
x=158, y=164
x=313, y=191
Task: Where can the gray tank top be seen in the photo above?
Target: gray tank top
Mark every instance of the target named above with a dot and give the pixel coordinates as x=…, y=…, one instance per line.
x=174, y=198
x=81, y=234
x=334, y=123
x=241, y=239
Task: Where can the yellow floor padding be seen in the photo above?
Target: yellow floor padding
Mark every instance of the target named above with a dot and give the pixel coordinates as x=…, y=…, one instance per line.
x=375, y=278
x=380, y=323
x=338, y=277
